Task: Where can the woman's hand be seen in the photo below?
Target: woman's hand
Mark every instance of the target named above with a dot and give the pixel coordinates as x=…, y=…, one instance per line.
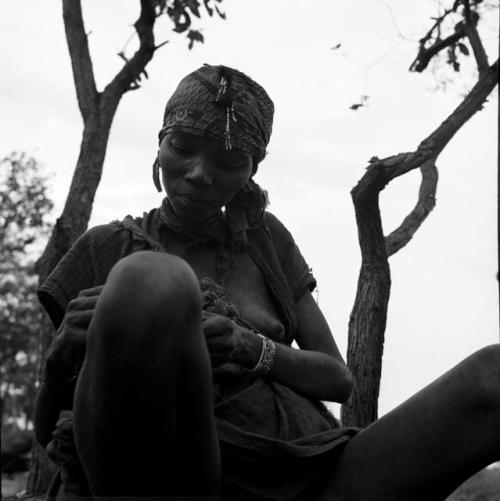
x=228, y=342
x=67, y=351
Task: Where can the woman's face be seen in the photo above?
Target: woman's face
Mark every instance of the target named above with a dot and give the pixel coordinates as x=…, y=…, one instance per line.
x=199, y=175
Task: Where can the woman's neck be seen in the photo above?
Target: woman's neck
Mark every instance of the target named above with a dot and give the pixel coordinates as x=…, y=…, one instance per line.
x=211, y=227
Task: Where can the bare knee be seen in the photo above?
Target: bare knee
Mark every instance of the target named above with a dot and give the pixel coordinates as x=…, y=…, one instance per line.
x=149, y=297
x=155, y=279
x=482, y=371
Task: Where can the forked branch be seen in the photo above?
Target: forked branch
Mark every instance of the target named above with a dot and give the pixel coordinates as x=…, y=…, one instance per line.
x=129, y=76
x=434, y=144
x=474, y=39
x=433, y=43
x=426, y=202
x=83, y=72
x=369, y=314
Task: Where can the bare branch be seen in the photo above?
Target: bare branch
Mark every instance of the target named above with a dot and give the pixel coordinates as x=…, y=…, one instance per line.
x=81, y=63
x=426, y=202
x=471, y=19
x=432, y=146
x=162, y=44
x=393, y=20
x=382, y=171
x=129, y=76
x=425, y=54
x=465, y=28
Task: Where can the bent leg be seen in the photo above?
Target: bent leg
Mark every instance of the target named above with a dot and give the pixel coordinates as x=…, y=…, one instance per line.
x=144, y=423
x=429, y=445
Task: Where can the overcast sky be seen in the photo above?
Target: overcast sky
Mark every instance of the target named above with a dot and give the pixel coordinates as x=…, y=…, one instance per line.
x=444, y=301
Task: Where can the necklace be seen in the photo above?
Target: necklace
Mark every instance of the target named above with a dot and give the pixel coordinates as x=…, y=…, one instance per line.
x=212, y=229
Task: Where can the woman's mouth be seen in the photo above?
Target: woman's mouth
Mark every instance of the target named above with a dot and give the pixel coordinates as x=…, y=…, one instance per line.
x=188, y=197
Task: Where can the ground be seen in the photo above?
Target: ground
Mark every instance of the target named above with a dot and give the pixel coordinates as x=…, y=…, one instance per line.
x=484, y=486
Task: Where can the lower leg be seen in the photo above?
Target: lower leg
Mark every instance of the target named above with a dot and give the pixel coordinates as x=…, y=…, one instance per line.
x=429, y=445
x=144, y=424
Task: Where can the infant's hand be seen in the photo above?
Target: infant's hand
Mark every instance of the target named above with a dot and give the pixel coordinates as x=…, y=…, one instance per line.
x=223, y=337
x=67, y=350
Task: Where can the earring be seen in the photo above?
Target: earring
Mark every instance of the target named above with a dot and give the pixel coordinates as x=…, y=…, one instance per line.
x=156, y=174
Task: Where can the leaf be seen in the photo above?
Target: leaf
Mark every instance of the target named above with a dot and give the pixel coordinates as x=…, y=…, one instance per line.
x=194, y=36
x=161, y=6
x=193, y=6
x=363, y=101
x=222, y=14
x=209, y=9
x=463, y=49
x=179, y=16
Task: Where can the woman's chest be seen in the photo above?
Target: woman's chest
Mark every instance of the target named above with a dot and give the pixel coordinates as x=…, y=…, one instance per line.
x=246, y=287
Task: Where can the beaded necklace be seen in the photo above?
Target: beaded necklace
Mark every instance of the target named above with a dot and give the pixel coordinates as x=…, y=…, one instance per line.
x=213, y=229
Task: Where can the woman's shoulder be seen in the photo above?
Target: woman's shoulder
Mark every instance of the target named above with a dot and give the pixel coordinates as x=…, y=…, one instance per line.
x=101, y=237
x=103, y=231
x=272, y=222
x=118, y=229
x=278, y=231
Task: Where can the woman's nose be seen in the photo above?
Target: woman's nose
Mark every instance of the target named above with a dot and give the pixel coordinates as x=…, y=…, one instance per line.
x=199, y=173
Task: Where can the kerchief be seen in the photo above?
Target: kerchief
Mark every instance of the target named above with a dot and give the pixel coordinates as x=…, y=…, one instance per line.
x=223, y=104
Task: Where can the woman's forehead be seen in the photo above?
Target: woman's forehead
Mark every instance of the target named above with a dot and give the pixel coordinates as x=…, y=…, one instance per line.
x=209, y=144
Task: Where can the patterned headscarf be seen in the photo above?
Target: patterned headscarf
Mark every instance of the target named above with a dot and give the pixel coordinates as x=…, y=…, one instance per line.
x=223, y=104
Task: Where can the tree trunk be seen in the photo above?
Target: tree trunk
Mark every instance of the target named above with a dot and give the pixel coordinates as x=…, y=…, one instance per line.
x=98, y=110
x=69, y=226
x=369, y=314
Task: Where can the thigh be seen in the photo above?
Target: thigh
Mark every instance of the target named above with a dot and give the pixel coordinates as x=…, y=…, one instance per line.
x=430, y=444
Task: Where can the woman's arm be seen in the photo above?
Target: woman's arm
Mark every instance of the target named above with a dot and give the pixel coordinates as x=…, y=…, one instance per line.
x=50, y=401
x=317, y=370
x=62, y=363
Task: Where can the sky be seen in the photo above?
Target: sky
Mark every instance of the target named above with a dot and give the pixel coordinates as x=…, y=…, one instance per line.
x=444, y=299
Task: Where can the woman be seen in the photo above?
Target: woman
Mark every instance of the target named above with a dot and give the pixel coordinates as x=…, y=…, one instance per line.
x=174, y=343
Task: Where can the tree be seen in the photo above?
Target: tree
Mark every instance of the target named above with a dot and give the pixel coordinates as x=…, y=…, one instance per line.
x=98, y=109
x=24, y=212
x=368, y=317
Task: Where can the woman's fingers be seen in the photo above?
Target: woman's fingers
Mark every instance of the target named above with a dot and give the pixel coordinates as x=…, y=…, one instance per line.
x=214, y=325
x=222, y=337
x=83, y=303
x=80, y=318
x=92, y=291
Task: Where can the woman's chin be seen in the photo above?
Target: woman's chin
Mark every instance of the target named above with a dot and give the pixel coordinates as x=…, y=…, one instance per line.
x=191, y=212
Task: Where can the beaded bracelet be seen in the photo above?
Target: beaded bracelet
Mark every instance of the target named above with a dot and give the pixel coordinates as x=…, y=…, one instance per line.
x=266, y=358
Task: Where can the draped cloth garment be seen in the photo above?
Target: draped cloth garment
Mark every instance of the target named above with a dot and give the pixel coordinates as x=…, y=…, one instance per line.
x=275, y=443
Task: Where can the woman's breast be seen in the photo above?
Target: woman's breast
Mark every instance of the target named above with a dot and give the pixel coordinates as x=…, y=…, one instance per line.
x=251, y=295
x=247, y=290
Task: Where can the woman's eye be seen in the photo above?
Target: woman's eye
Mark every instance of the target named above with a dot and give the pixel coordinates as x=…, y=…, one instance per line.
x=180, y=147
x=225, y=165
x=233, y=164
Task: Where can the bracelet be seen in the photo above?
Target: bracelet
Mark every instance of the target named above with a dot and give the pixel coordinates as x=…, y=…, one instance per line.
x=266, y=358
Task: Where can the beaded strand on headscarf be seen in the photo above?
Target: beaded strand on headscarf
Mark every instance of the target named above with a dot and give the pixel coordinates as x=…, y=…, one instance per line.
x=225, y=97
